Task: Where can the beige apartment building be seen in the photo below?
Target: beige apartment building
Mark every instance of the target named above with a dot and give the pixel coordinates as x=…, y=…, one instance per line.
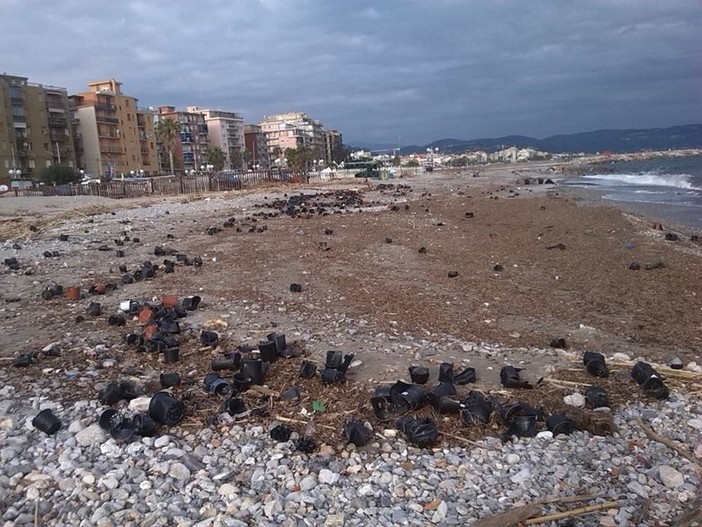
x=35, y=130
x=114, y=137
x=291, y=130
x=226, y=131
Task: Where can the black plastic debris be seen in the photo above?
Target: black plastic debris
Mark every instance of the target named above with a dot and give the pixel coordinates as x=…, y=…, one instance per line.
x=209, y=338
x=649, y=379
x=560, y=424
x=171, y=355
x=281, y=433
x=595, y=364
x=476, y=409
x=559, y=343
x=446, y=372
x=406, y=397
x=169, y=380
x=522, y=426
x=94, y=309
x=281, y=345
x=357, y=433
x=268, y=350
x=254, y=369
x=233, y=363
x=442, y=390
x=116, y=320
x=215, y=385
x=510, y=378
x=190, y=303
x=596, y=397
x=306, y=445
x=23, y=360
x=47, y=422
x=117, y=391
x=336, y=366
x=165, y=409
x=241, y=381
x=559, y=246
x=467, y=376
x=295, y=288
x=236, y=407
x=671, y=237
x=421, y=432
x=452, y=274
x=419, y=374
x=109, y=419
x=308, y=369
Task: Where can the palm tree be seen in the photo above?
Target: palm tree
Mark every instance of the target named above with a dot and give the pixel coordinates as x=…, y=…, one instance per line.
x=215, y=156
x=167, y=133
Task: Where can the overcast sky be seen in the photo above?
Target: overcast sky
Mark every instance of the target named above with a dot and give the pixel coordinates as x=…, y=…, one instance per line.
x=385, y=71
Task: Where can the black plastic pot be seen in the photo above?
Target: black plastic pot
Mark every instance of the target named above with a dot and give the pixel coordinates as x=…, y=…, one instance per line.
x=225, y=364
x=384, y=391
x=596, y=397
x=522, y=426
x=281, y=433
x=169, y=380
x=509, y=377
x=308, y=369
x=280, y=344
x=240, y=382
x=144, y=426
x=94, y=309
x=420, y=432
x=334, y=359
x=446, y=405
x=595, y=364
x=123, y=430
x=446, y=372
x=419, y=374
x=112, y=394
x=382, y=408
x=291, y=393
x=649, y=379
x=109, y=419
x=169, y=325
x=209, y=338
x=170, y=355
x=253, y=368
x=135, y=340
x=560, y=424
x=47, y=422
x=235, y=407
x=331, y=375
x=268, y=350
x=116, y=320
x=357, y=433
x=215, y=385
x=443, y=389
x=191, y=302
x=508, y=411
x=465, y=377
x=165, y=409
x=476, y=409
x=407, y=397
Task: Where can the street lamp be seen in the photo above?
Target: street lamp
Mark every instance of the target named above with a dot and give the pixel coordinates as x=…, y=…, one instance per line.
x=15, y=173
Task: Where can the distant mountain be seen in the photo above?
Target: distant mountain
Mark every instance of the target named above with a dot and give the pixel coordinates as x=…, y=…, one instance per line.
x=676, y=137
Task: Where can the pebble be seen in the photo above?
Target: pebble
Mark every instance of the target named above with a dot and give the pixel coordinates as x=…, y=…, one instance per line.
x=574, y=399
x=670, y=477
x=91, y=435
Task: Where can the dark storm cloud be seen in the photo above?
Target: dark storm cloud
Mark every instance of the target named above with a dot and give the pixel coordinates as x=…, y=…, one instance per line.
x=385, y=71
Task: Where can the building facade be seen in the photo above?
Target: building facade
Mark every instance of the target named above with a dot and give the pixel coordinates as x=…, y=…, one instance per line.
x=333, y=147
x=226, y=131
x=292, y=130
x=255, y=141
x=114, y=138
x=35, y=129
x=192, y=143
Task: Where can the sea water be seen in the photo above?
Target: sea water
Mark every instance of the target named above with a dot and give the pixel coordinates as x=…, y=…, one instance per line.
x=665, y=189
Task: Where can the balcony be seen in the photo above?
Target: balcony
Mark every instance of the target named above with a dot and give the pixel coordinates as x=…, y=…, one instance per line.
x=17, y=101
x=103, y=119
x=57, y=121
x=110, y=150
x=106, y=107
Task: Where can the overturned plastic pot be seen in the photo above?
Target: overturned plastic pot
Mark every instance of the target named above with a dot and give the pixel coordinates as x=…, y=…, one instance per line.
x=560, y=424
x=595, y=364
x=240, y=382
x=510, y=378
x=649, y=379
x=419, y=374
x=476, y=409
x=522, y=426
x=209, y=338
x=109, y=419
x=236, y=407
x=215, y=385
x=596, y=397
x=47, y=422
x=226, y=364
x=407, y=397
x=466, y=376
x=254, y=369
x=168, y=380
x=357, y=433
x=443, y=389
x=308, y=369
x=446, y=372
x=420, y=432
x=166, y=409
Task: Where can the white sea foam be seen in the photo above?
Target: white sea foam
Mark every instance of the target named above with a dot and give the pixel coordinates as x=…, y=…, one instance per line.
x=648, y=179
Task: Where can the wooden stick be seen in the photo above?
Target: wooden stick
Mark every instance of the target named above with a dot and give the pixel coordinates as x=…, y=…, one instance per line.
x=667, y=442
x=568, y=383
x=301, y=422
x=572, y=499
x=571, y=513
x=468, y=441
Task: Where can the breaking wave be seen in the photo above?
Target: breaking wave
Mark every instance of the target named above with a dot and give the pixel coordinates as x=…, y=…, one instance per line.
x=648, y=179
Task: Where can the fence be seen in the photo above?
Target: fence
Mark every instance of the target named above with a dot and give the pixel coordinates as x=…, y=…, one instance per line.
x=173, y=185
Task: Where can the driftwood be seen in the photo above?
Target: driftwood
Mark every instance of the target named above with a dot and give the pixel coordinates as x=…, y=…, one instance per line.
x=667, y=442
x=528, y=514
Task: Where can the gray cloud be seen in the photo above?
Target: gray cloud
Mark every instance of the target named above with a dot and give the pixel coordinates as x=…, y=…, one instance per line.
x=391, y=71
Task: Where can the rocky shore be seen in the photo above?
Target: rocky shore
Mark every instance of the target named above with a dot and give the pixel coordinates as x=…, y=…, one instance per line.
x=476, y=271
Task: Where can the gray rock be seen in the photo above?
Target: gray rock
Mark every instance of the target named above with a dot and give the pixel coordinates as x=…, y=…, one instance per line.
x=91, y=435
x=670, y=477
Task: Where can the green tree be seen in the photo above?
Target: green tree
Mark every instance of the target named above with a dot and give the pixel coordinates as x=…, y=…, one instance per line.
x=59, y=175
x=167, y=133
x=412, y=163
x=237, y=158
x=216, y=157
x=300, y=158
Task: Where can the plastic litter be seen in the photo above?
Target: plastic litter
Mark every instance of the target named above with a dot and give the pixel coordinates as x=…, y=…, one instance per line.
x=420, y=432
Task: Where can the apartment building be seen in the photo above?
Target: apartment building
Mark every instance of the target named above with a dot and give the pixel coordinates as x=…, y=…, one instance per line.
x=35, y=129
x=193, y=141
x=333, y=146
x=292, y=130
x=226, y=131
x=255, y=141
x=114, y=137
